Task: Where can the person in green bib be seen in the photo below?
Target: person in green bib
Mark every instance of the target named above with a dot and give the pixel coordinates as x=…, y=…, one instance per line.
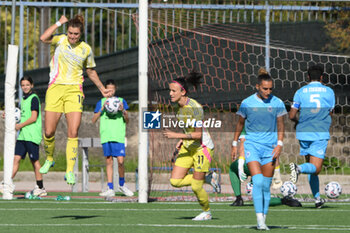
x=30, y=133
x=112, y=133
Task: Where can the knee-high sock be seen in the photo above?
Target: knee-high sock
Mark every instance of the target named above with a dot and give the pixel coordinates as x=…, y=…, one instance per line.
x=258, y=200
x=201, y=194
x=49, y=145
x=277, y=169
x=178, y=183
x=307, y=168
x=314, y=185
x=275, y=201
x=235, y=182
x=266, y=193
x=121, y=181
x=71, y=153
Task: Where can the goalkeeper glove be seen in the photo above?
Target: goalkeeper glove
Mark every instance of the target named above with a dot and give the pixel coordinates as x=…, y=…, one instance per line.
x=241, y=174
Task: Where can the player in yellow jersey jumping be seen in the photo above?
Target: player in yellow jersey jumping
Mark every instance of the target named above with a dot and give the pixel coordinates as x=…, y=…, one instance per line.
x=65, y=91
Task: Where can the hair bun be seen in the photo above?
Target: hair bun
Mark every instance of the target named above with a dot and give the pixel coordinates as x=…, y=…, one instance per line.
x=262, y=71
x=80, y=18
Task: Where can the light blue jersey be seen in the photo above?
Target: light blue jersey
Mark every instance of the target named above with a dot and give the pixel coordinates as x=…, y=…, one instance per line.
x=314, y=101
x=261, y=118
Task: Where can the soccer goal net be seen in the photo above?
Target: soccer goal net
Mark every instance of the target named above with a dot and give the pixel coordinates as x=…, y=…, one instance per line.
x=229, y=55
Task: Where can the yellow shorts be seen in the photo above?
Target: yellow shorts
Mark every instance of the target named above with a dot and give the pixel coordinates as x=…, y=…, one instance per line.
x=194, y=158
x=64, y=98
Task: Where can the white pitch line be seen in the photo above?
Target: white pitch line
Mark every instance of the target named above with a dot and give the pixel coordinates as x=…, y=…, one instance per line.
x=284, y=227
x=130, y=203
x=250, y=202
x=166, y=210
x=91, y=209
x=59, y=202
x=153, y=203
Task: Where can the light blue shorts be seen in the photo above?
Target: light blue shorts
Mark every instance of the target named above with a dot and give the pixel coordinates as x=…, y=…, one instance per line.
x=113, y=149
x=257, y=152
x=314, y=148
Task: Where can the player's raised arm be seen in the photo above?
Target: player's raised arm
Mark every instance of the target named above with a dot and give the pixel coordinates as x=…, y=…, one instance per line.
x=46, y=37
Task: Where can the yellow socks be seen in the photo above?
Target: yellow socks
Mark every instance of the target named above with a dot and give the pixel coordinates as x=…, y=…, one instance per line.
x=49, y=145
x=186, y=181
x=71, y=153
x=197, y=187
x=277, y=168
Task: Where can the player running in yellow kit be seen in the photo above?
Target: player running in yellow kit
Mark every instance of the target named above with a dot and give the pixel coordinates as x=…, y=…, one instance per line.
x=195, y=145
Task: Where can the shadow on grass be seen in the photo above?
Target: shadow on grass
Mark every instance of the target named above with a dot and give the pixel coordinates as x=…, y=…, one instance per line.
x=77, y=217
x=270, y=227
x=323, y=207
x=20, y=193
x=190, y=218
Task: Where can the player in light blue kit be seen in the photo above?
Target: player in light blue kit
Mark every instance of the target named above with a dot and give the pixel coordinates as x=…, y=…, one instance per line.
x=315, y=102
x=262, y=115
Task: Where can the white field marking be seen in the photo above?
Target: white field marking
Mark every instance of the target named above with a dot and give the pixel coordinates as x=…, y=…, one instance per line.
x=45, y=201
x=91, y=209
x=59, y=202
x=285, y=227
x=166, y=210
x=249, y=202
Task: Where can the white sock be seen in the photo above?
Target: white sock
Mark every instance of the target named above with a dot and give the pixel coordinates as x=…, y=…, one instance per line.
x=260, y=218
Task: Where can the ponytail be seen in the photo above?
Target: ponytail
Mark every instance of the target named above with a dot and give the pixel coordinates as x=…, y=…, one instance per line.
x=193, y=79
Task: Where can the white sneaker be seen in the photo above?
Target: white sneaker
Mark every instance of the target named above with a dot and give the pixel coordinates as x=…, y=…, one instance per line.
x=319, y=203
x=294, y=172
x=108, y=193
x=11, y=187
x=39, y=192
x=206, y=215
x=213, y=179
x=126, y=191
x=263, y=227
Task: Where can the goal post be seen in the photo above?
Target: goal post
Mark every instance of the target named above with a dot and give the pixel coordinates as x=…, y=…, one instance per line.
x=143, y=100
x=10, y=132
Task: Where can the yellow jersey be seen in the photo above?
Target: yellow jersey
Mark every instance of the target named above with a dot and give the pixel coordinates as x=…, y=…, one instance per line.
x=68, y=61
x=189, y=114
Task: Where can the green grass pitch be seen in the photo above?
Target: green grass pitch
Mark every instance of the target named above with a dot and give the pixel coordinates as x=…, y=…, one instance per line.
x=97, y=215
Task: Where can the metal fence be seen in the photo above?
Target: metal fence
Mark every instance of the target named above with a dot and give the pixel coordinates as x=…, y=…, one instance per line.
x=109, y=27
